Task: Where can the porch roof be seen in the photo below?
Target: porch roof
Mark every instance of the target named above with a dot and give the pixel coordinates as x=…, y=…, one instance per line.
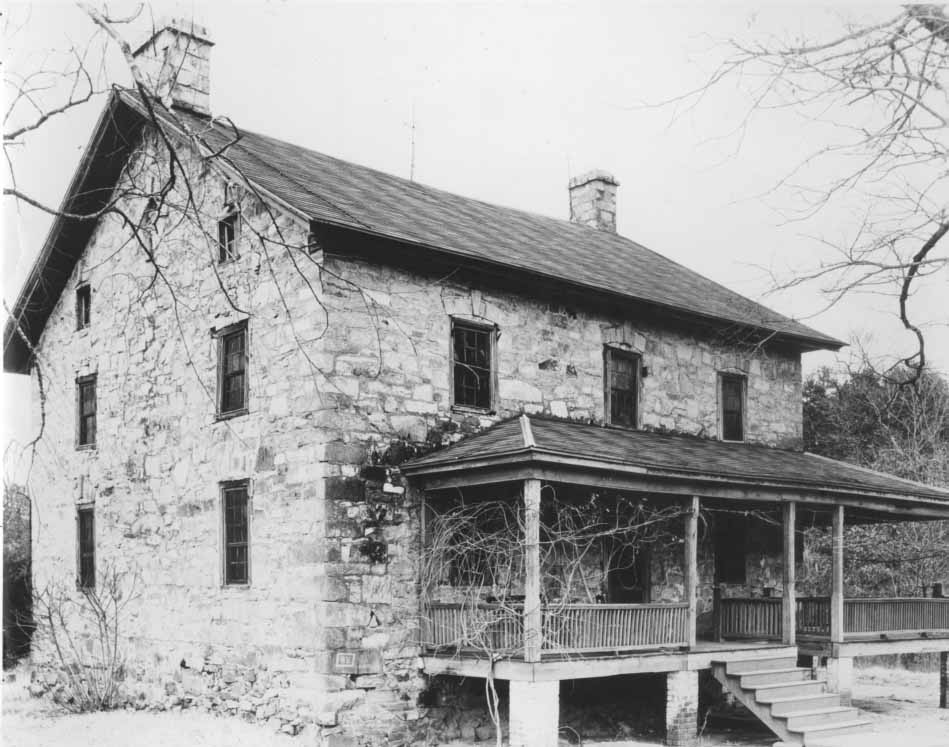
x=654, y=458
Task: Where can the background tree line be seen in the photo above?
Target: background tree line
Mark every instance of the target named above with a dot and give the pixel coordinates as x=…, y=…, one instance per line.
x=894, y=423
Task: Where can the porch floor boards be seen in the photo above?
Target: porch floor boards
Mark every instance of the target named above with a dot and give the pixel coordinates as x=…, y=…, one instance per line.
x=582, y=666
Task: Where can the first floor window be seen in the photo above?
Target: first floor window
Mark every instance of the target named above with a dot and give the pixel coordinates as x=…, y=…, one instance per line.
x=472, y=347
x=86, y=405
x=86, y=530
x=232, y=369
x=236, y=534
x=733, y=407
x=621, y=373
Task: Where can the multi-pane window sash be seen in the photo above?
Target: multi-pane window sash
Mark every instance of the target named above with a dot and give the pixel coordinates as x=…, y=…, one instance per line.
x=227, y=237
x=236, y=538
x=87, y=410
x=471, y=347
x=234, y=371
x=733, y=401
x=85, y=527
x=622, y=371
x=83, y=306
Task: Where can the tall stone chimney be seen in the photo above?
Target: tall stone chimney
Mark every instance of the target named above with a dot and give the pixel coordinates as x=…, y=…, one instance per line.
x=176, y=62
x=593, y=200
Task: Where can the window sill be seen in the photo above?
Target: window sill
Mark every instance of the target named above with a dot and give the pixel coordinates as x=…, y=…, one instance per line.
x=86, y=447
x=232, y=414
x=472, y=410
x=235, y=587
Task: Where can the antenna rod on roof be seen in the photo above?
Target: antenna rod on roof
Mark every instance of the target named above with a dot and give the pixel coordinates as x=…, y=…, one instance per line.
x=412, y=159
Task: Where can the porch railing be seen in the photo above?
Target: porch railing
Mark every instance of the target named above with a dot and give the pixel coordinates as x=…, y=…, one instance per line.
x=576, y=628
x=813, y=616
x=761, y=617
x=569, y=628
x=895, y=615
x=749, y=618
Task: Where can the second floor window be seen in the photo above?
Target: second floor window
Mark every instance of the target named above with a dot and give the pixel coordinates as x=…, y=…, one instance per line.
x=227, y=237
x=472, y=364
x=86, y=406
x=621, y=387
x=86, y=551
x=733, y=407
x=83, y=306
x=236, y=534
x=232, y=369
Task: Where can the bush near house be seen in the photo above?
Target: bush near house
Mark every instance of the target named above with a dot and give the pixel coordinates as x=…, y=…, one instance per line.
x=17, y=607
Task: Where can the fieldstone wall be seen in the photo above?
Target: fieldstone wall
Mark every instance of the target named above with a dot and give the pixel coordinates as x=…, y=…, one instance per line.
x=387, y=345
x=348, y=378
x=268, y=650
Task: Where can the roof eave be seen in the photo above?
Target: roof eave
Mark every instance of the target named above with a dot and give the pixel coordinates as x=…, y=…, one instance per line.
x=17, y=355
x=803, y=342
x=539, y=458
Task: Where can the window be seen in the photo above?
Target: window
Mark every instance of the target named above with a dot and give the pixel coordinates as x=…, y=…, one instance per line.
x=227, y=237
x=733, y=407
x=731, y=532
x=236, y=534
x=86, y=406
x=232, y=370
x=83, y=306
x=473, y=364
x=621, y=387
x=86, y=540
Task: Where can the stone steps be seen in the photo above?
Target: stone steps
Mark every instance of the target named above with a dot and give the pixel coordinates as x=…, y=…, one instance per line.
x=786, y=698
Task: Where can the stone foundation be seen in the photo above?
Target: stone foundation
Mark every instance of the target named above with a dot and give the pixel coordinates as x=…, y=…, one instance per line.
x=840, y=677
x=535, y=713
x=944, y=679
x=682, y=709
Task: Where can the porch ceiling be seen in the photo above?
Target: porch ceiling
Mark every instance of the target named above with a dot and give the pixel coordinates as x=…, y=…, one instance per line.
x=566, y=451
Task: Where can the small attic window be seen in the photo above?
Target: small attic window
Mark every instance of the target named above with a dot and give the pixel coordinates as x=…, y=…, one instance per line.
x=83, y=306
x=227, y=236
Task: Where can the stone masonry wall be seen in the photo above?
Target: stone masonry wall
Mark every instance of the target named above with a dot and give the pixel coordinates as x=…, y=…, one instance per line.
x=388, y=340
x=349, y=376
x=264, y=651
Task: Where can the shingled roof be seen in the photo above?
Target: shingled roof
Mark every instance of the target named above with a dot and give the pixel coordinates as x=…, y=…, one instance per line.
x=541, y=439
x=338, y=193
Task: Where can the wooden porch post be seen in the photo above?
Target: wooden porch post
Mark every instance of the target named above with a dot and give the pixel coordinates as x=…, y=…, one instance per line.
x=789, y=602
x=692, y=565
x=533, y=620
x=837, y=578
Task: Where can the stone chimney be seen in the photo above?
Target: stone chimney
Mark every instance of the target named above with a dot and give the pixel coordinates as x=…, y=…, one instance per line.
x=175, y=61
x=593, y=200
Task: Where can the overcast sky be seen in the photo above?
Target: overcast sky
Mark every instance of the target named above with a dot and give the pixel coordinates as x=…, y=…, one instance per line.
x=508, y=101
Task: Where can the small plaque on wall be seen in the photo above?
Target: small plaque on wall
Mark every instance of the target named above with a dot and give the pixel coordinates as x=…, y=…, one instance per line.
x=344, y=662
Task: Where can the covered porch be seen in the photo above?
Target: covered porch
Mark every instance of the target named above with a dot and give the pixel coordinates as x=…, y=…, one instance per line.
x=534, y=635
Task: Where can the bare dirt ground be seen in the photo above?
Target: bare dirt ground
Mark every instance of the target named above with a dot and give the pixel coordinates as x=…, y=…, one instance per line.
x=901, y=705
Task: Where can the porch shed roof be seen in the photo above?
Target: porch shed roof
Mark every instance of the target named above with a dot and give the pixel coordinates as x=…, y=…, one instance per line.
x=655, y=455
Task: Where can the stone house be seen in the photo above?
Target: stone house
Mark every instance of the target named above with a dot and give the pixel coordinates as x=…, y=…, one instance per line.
x=258, y=386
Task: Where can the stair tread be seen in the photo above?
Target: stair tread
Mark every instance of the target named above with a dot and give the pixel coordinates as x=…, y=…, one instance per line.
x=770, y=671
x=819, y=712
x=779, y=685
x=829, y=727
x=799, y=698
